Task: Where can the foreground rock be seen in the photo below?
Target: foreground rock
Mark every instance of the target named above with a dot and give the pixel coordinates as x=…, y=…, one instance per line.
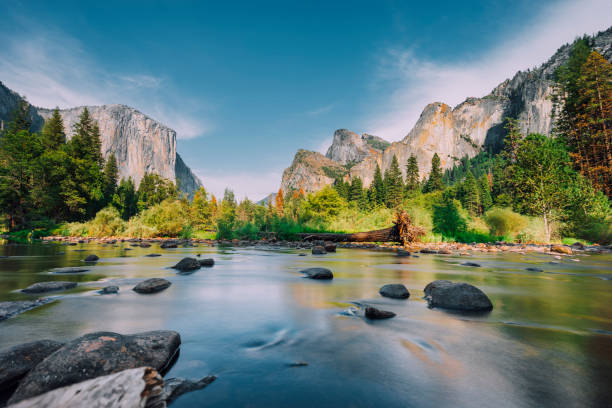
x=187, y=265
x=377, y=314
x=10, y=309
x=42, y=287
x=395, y=291
x=152, y=285
x=207, y=262
x=318, y=250
x=456, y=296
x=175, y=387
x=92, y=258
x=561, y=249
x=318, y=273
x=97, y=354
x=140, y=387
x=17, y=361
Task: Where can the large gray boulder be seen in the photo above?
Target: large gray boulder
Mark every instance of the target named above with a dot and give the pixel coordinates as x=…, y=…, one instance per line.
x=152, y=285
x=17, y=361
x=395, y=291
x=12, y=308
x=457, y=296
x=98, y=354
x=318, y=273
x=53, y=286
x=187, y=265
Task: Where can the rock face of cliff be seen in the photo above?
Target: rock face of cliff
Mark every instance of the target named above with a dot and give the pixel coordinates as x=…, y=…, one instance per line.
x=452, y=133
x=140, y=144
x=311, y=171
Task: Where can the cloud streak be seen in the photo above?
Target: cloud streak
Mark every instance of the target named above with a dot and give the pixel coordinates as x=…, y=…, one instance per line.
x=418, y=82
x=52, y=69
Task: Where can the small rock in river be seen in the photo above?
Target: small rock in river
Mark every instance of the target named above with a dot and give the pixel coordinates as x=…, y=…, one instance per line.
x=402, y=252
x=471, y=264
x=152, y=285
x=41, y=287
x=318, y=250
x=395, y=291
x=92, y=258
x=457, y=296
x=318, y=273
x=152, y=255
x=297, y=364
x=69, y=270
x=377, y=314
x=207, y=262
x=302, y=254
x=330, y=247
x=109, y=290
x=534, y=269
x=187, y=264
x=561, y=249
x=428, y=251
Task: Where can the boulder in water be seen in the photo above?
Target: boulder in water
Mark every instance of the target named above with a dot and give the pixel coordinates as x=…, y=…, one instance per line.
x=152, y=285
x=92, y=258
x=561, y=249
x=152, y=255
x=187, y=265
x=474, y=264
x=395, y=291
x=428, y=251
x=97, y=354
x=207, y=262
x=42, y=287
x=109, y=290
x=456, y=296
x=534, y=269
x=318, y=273
x=13, y=308
x=377, y=314
x=402, y=252
x=318, y=250
x=330, y=247
x=168, y=244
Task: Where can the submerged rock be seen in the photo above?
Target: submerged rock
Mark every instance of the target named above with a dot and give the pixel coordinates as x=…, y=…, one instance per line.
x=187, y=264
x=69, y=270
x=92, y=258
x=152, y=255
x=395, y=291
x=534, y=269
x=318, y=250
x=402, y=252
x=152, y=285
x=175, y=387
x=318, y=273
x=474, y=264
x=457, y=296
x=17, y=361
x=41, y=287
x=97, y=354
x=109, y=290
x=10, y=309
x=207, y=262
x=377, y=314
x=428, y=251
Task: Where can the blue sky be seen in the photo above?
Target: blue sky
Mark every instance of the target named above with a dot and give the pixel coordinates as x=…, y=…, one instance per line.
x=246, y=84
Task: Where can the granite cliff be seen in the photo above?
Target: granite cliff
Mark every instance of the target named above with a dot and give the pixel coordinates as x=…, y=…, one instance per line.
x=140, y=143
x=465, y=130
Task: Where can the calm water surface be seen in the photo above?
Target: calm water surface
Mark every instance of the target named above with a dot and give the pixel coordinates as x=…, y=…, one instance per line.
x=547, y=343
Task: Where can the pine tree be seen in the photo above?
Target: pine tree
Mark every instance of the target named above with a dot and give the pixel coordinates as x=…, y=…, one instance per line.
x=111, y=175
x=200, y=210
x=378, y=187
x=280, y=203
x=471, y=200
x=484, y=192
x=434, y=182
x=394, y=185
x=125, y=199
x=53, y=131
x=512, y=139
x=412, y=174
x=20, y=119
x=356, y=191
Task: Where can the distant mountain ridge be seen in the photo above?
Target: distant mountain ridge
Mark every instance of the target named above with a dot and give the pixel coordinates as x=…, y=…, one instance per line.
x=140, y=143
x=452, y=133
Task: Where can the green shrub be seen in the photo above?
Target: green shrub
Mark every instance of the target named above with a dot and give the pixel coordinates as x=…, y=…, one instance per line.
x=505, y=222
x=107, y=223
x=168, y=218
x=136, y=228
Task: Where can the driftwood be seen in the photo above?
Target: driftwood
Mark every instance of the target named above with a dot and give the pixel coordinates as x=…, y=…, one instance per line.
x=402, y=231
x=133, y=388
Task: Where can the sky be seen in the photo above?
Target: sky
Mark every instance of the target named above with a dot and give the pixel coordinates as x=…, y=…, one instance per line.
x=246, y=84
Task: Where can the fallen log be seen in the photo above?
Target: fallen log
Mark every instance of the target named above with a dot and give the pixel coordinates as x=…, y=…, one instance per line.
x=402, y=231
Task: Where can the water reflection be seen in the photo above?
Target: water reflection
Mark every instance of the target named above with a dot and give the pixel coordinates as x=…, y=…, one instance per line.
x=252, y=316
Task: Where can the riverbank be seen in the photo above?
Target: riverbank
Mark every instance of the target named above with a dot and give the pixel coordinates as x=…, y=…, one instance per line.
x=443, y=248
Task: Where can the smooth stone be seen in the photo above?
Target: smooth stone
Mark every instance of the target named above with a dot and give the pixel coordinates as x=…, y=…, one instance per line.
x=471, y=264
x=152, y=285
x=42, y=287
x=395, y=291
x=533, y=269
x=318, y=250
x=175, y=387
x=13, y=308
x=456, y=296
x=69, y=270
x=97, y=354
x=318, y=273
x=152, y=255
x=377, y=314
x=207, y=262
x=330, y=247
x=109, y=290
x=187, y=264
x=402, y=252
x=17, y=361
x=92, y=258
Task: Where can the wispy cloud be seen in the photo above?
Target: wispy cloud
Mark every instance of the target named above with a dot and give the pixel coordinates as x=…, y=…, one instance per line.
x=254, y=185
x=321, y=110
x=52, y=69
x=417, y=81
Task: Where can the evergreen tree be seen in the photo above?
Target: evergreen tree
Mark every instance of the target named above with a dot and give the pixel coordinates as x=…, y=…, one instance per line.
x=394, y=184
x=20, y=119
x=378, y=187
x=111, y=176
x=342, y=188
x=53, y=131
x=484, y=192
x=471, y=200
x=200, y=210
x=153, y=189
x=412, y=174
x=434, y=182
x=356, y=193
x=125, y=199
